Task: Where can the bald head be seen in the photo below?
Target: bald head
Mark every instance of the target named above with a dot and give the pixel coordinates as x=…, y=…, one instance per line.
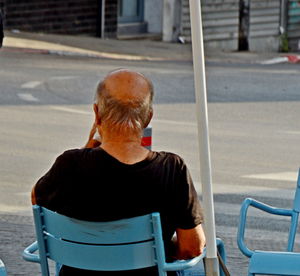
x=124, y=100
x=126, y=85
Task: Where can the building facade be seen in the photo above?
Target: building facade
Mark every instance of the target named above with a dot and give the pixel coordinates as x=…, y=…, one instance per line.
x=255, y=25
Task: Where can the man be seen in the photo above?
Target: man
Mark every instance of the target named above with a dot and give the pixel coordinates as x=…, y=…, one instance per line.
x=120, y=178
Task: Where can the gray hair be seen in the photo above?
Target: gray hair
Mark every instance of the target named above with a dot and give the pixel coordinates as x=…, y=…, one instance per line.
x=129, y=116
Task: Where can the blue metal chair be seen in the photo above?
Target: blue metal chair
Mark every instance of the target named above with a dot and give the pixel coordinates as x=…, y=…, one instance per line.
x=2, y=269
x=104, y=246
x=272, y=262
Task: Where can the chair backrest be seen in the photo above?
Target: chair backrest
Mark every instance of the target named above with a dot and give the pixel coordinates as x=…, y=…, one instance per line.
x=296, y=205
x=107, y=246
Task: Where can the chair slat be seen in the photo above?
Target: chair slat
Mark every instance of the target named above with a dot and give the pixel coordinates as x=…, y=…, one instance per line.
x=119, y=231
x=117, y=257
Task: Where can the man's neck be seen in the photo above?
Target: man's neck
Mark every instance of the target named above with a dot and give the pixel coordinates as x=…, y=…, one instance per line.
x=126, y=150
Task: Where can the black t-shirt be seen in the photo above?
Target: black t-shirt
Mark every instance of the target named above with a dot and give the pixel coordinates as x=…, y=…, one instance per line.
x=90, y=184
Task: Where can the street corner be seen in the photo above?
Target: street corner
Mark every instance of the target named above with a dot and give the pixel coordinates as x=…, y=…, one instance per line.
x=293, y=58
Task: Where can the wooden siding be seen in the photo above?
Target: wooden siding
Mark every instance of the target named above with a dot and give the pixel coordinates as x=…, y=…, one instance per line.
x=52, y=16
x=220, y=23
x=264, y=25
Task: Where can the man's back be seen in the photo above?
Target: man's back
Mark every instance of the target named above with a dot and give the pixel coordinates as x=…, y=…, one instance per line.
x=90, y=184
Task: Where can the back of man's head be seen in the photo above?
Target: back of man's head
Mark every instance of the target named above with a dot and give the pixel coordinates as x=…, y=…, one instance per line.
x=124, y=100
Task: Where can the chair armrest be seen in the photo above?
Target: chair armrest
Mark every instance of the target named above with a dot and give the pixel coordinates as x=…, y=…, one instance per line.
x=28, y=253
x=243, y=217
x=184, y=264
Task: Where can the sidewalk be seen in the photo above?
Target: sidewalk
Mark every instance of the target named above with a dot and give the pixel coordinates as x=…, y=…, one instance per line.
x=134, y=50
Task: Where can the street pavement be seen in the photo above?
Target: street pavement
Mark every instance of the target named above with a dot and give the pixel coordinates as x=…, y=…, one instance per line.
x=16, y=229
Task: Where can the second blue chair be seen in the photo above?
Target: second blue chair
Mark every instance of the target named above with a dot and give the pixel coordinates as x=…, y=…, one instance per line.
x=272, y=262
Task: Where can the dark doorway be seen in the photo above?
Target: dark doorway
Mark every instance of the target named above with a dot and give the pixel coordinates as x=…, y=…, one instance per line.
x=244, y=23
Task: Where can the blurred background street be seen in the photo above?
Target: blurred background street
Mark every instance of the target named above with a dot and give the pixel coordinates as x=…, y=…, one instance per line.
x=254, y=109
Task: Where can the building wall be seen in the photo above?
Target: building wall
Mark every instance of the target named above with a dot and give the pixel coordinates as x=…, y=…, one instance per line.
x=52, y=16
x=264, y=25
x=220, y=19
x=153, y=15
x=171, y=19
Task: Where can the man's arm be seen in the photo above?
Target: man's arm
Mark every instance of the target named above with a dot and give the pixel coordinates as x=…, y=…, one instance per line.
x=33, y=198
x=190, y=242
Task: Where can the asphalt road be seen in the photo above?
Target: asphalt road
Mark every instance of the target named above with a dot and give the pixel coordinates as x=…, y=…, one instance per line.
x=254, y=110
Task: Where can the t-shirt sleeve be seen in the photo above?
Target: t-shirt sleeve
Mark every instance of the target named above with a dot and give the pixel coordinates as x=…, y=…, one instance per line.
x=189, y=213
x=48, y=188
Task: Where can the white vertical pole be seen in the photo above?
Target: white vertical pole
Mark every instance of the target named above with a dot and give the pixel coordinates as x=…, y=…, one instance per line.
x=212, y=265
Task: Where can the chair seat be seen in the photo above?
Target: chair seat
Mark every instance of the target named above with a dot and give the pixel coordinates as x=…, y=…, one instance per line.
x=275, y=263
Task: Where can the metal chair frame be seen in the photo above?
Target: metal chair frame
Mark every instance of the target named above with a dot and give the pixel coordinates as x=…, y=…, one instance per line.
x=104, y=246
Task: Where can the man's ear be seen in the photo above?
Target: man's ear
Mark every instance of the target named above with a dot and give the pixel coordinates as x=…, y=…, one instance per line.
x=149, y=118
x=96, y=113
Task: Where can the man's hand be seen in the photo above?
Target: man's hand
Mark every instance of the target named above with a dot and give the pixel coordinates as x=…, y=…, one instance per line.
x=190, y=242
x=93, y=142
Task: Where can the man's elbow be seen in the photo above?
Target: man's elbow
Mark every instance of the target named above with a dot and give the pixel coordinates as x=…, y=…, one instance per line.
x=33, y=197
x=190, y=243
x=189, y=253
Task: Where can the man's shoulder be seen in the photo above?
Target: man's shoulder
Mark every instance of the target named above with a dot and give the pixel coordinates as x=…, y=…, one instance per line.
x=171, y=157
x=74, y=153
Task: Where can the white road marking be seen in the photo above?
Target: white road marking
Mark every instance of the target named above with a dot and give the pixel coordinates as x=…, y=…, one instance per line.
x=171, y=122
x=70, y=110
x=292, y=132
x=28, y=97
x=282, y=176
x=248, y=190
x=62, y=78
x=31, y=84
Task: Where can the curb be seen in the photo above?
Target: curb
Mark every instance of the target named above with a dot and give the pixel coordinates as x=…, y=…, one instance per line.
x=99, y=55
x=25, y=50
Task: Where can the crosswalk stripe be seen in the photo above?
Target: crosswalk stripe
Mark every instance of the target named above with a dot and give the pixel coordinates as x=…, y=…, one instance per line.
x=31, y=84
x=28, y=97
x=292, y=132
x=70, y=110
x=281, y=176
